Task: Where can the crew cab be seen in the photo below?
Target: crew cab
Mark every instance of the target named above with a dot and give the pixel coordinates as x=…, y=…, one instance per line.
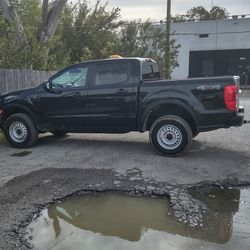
x=120, y=96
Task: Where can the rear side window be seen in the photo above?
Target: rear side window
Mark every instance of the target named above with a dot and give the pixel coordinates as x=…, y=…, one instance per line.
x=150, y=70
x=112, y=73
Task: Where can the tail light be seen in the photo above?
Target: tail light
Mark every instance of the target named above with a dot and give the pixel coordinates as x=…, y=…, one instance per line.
x=231, y=97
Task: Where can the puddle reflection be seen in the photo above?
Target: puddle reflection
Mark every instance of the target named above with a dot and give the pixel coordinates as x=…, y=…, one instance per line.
x=120, y=222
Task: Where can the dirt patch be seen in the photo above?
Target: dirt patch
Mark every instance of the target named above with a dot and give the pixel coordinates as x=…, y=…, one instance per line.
x=2, y=137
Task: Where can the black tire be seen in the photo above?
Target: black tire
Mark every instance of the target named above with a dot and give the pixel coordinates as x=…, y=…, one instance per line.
x=59, y=133
x=24, y=124
x=178, y=132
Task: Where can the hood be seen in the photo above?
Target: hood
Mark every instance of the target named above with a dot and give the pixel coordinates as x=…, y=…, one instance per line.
x=16, y=93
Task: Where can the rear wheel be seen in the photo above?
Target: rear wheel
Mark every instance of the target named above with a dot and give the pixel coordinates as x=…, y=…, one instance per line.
x=171, y=135
x=20, y=131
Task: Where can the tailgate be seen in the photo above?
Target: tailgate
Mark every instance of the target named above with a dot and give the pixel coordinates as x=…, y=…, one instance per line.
x=237, y=82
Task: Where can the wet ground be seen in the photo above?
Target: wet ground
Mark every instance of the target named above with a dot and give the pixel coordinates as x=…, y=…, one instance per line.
x=120, y=222
x=26, y=196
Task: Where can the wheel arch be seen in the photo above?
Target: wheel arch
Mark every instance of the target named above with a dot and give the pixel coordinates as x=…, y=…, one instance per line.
x=12, y=109
x=169, y=108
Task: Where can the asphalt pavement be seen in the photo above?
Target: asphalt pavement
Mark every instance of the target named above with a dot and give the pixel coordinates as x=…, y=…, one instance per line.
x=78, y=163
x=213, y=156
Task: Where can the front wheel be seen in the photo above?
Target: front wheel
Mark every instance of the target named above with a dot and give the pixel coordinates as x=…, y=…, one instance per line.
x=171, y=135
x=20, y=131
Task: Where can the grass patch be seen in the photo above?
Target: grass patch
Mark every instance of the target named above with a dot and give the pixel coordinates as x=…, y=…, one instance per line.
x=2, y=138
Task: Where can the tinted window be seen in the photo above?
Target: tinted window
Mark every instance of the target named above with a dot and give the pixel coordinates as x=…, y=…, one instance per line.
x=73, y=77
x=111, y=73
x=150, y=70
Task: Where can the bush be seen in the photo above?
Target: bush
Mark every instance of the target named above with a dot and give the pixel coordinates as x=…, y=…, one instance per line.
x=2, y=138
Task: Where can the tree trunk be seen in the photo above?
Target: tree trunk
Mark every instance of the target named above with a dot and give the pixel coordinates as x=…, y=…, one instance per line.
x=11, y=17
x=6, y=10
x=50, y=19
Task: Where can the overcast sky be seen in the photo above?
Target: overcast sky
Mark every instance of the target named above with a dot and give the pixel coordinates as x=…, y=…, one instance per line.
x=156, y=9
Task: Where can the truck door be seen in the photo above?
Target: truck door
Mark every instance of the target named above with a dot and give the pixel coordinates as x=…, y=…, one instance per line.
x=65, y=103
x=111, y=96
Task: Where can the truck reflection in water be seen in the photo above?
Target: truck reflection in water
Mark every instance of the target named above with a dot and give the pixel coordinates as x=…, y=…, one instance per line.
x=129, y=218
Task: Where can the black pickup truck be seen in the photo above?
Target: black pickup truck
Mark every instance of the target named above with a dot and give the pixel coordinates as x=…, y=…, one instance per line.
x=120, y=96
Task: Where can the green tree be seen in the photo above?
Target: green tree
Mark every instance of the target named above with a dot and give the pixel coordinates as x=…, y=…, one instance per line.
x=146, y=40
x=14, y=50
x=200, y=13
x=179, y=18
x=89, y=33
x=29, y=32
x=219, y=13
x=82, y=33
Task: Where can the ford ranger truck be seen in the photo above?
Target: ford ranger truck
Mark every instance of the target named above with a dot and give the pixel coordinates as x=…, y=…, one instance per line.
x=120, y=96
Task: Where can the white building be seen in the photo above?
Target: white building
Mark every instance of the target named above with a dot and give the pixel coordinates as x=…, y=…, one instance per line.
x=213, y=48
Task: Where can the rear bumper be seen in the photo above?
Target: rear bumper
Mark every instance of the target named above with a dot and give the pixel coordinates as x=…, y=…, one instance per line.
x=235, y=120
x=238, y=120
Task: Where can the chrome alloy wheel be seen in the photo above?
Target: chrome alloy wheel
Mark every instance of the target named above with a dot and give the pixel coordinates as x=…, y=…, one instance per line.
x=169, y=137
x=18, y=132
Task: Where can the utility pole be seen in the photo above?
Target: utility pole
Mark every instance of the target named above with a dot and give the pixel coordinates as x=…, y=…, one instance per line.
x=168, y=31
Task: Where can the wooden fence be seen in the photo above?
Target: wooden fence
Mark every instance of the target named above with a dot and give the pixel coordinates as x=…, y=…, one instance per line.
x=15, y=79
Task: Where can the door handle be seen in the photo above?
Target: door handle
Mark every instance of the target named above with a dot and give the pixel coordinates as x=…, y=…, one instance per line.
x=79, y=94
x=122, y=92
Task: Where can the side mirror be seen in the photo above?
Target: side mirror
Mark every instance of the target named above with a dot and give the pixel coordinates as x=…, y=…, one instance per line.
x=47, y=87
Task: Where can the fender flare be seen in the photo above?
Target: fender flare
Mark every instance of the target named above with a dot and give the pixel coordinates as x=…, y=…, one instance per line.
x=19, y=106
x=145, y=117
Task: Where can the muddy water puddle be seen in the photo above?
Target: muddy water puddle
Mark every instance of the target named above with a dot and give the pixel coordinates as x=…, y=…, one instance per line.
x=111, y=222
